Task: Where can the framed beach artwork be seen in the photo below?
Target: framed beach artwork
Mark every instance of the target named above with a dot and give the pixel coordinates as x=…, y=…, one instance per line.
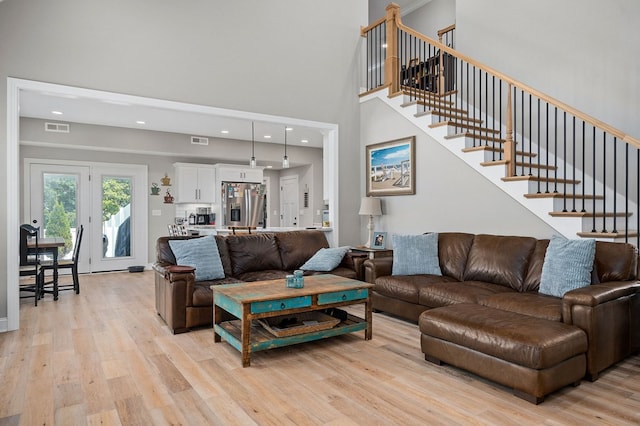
x=391, y=167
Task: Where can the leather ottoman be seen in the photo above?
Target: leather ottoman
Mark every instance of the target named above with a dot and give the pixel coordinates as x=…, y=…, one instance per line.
x=531, y=355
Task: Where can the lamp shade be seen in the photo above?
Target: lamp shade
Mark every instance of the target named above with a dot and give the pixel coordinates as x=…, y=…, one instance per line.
x=370, y=206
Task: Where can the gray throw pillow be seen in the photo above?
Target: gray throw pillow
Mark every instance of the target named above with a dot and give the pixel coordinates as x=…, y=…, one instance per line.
x=416, y=254
x=201, y=253
x=325, y=259
x=567, y=265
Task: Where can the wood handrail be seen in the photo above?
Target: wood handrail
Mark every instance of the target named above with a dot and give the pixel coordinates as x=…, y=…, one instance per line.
x=571, y=110
x=446, y=30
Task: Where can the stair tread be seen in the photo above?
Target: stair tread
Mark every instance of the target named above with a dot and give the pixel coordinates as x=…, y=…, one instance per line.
x=540, y=179
x=494, y=149
x=588, y=214
x=561, y=195
x=518, y=164
x=482, y=137
x=465, y=125
x=618, y=234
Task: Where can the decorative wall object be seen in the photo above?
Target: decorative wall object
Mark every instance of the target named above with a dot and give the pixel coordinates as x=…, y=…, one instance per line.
x=379, y=240
x=168, y=198
x=155, y=189
x=166, y=180
x=391, y=167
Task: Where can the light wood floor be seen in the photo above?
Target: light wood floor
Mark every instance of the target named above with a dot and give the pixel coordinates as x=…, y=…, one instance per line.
x=105, y=357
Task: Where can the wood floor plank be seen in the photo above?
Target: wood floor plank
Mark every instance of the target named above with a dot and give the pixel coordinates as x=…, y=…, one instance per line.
x=104, y=357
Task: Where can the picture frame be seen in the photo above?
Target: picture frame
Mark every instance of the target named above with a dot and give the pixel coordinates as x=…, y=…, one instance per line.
x=379, y=240
x=390, y=167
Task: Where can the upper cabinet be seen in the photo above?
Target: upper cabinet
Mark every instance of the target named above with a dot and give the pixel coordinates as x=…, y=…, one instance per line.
x=235, y=173
x=195, y=183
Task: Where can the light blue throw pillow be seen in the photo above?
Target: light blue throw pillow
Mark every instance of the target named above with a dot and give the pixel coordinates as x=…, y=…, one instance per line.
x=325, y=259
x=567, y=265
x=201, y=253
x=416, y=254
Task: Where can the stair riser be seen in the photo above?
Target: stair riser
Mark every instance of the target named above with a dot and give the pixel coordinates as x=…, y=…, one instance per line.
x=608, y=224
x=559, y=205
x=550, y=187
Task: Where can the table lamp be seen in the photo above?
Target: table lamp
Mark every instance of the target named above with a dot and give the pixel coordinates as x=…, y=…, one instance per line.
x=370, y=206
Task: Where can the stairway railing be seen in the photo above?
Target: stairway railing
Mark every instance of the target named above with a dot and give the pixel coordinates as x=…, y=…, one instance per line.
x=589, y=165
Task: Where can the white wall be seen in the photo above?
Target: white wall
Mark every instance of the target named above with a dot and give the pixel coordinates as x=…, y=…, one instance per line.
x=432, y=17
x=283, y=57
x=582, y=52
x=450, y=196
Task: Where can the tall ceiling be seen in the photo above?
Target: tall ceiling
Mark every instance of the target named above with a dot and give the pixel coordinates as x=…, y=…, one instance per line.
x=208, y=122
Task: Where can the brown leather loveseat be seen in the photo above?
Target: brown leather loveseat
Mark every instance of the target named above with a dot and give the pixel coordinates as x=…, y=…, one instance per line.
x=183, y=302
x=485, y=314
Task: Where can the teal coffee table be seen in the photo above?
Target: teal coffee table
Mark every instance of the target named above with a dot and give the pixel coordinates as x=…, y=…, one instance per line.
x=264, y=300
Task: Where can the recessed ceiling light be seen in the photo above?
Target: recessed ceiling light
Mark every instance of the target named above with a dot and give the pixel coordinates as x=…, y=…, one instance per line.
x=304, y=141
x=56, y=112
x=288, y=129
x=267, y=136
x=224, y=132
x=269, y=167
x=140, y=122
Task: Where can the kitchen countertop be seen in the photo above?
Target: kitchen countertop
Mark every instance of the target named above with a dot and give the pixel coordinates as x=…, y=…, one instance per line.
x=223, y=230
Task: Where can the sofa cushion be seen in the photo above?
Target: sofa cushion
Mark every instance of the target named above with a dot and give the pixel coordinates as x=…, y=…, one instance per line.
x=325, y=259
x=532, y=304
x=201, y=253
x=415, y=254
x=296, y=247
x=499, y=259
x=406, y=287
x=567, y=265
x=615, y=262
x=253, y=252
x=453, y=250
x=436, y=294
x=221, y=240
x=534, y=272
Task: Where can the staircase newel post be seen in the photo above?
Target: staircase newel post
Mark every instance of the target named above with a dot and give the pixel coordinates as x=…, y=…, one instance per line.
x=509, y=146
x=391, y=63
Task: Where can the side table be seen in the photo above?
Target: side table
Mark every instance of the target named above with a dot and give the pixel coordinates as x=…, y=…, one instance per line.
x=372, y=253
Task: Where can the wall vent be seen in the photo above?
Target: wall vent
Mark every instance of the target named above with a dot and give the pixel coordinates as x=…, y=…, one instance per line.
x=56, y=127
x=198, y=140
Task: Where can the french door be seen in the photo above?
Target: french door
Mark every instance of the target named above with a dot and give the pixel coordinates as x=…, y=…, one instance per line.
x=109, y=200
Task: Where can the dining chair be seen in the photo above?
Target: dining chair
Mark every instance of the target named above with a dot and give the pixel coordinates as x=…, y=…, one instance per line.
x=30, y=263
x=69, y=264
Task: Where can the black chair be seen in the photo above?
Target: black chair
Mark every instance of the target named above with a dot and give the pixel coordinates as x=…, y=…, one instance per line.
x=68, y=264
x=30, y=263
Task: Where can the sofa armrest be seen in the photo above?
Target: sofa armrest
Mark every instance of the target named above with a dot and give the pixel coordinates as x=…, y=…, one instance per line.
x=177, y=294
x=608, y=313
x=597, y=294
x=379, y=267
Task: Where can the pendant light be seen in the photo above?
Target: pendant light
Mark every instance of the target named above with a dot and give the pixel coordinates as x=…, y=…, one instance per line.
x=252, y=162
x=285, y=159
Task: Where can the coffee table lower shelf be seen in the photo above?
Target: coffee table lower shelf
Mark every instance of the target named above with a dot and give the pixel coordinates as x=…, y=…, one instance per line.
x=261, y=339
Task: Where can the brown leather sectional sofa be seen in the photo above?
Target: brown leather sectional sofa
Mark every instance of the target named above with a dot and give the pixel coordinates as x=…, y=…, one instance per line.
x=184, y=303
x=485, y=315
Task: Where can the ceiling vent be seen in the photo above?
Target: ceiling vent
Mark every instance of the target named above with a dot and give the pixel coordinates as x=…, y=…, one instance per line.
x=56, y=127
x=198, y=140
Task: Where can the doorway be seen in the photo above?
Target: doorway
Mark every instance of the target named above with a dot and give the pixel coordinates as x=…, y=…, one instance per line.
x=289, y=206
x=108, y=199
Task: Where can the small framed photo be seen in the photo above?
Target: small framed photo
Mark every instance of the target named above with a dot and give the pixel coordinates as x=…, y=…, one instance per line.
x=379, y=240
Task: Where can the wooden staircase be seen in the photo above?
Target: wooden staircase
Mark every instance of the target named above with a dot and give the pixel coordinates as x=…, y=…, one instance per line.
x=482, y=148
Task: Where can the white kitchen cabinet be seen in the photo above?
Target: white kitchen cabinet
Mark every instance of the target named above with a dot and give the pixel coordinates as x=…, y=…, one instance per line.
x=233, y=173
x=195, y=183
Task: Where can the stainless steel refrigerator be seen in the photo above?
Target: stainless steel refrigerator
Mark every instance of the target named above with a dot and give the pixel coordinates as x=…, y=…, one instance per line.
x=243, y=204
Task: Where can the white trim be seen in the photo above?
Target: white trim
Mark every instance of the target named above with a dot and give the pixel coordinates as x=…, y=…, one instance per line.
x=13, y=204
x=14, y=85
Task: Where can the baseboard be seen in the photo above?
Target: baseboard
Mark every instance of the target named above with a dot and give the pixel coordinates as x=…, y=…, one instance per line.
x=4, y=324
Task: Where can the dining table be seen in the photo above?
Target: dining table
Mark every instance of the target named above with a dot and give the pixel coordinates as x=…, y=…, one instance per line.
x=49, y=245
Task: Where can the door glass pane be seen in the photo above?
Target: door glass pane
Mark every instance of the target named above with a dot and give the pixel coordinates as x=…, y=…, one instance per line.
x=116, y=216
x=60, y=209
